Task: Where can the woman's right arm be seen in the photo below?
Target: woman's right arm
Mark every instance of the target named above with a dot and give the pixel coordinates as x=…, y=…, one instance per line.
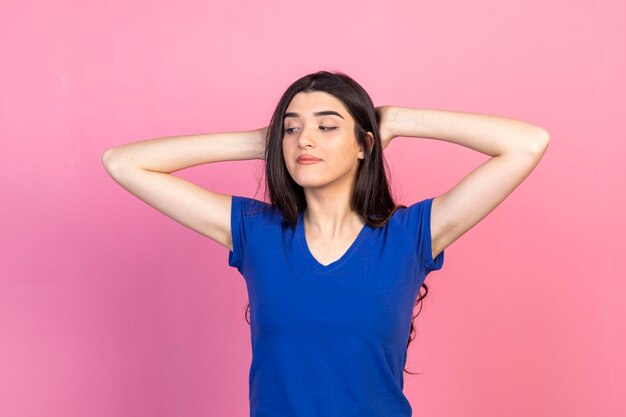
x=144, y=169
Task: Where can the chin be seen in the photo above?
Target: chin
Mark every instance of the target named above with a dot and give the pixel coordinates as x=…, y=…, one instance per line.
x=309, y=184
x=309, y=180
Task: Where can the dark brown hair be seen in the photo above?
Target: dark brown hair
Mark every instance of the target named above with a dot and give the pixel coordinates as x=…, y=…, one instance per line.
x=371, y=191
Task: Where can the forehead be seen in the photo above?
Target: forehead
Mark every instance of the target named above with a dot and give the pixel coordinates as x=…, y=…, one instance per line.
x=305, y=104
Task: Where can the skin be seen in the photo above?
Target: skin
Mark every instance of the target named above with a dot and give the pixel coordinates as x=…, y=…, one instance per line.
x=331, y=226
x=515, y=147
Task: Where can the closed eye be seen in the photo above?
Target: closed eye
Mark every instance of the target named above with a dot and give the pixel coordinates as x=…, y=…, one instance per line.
x=323, y=128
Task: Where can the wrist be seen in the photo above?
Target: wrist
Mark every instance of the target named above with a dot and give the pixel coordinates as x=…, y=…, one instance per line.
x=389, y=120
x=261, y=141
x=407, y=121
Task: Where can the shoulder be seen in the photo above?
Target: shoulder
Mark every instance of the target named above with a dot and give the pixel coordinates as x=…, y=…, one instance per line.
x=253, y=206
x=253, y=211
x=412, y=214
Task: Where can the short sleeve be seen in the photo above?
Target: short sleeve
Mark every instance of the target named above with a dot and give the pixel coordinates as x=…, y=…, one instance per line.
x=416, y=220
x=242, y=223
x=238, y=229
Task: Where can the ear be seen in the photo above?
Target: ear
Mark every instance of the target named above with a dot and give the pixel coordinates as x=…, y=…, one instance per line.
x=369, y=137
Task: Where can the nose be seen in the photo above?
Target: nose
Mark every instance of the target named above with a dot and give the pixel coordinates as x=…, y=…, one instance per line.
x=305, y=138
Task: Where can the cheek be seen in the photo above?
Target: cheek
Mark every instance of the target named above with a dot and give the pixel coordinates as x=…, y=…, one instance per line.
x=287, y=149
x=288, y=152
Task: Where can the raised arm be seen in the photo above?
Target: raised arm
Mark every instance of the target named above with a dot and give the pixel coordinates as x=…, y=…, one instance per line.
x=145, y=168
x=516, y=148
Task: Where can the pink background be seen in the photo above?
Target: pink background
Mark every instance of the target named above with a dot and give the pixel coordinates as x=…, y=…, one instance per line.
x=110, y=308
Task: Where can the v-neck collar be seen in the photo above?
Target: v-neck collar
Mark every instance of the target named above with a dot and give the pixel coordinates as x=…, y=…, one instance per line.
x=312, y=262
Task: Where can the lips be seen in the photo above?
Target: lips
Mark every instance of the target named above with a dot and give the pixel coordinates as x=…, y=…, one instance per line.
x=307, y=158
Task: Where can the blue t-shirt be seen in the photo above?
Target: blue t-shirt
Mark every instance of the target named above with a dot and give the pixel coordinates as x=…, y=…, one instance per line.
x=330, y=340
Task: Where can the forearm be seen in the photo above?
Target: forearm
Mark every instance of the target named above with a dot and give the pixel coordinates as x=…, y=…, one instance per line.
x=170, y=154
x=488, y=134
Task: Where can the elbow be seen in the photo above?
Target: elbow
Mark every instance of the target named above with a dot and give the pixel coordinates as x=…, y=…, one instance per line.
x=112, y=160
x=540, y=142
x=108, y=159
x=545, y=135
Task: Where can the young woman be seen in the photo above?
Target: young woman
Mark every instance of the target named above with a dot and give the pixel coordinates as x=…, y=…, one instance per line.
x=333, y=267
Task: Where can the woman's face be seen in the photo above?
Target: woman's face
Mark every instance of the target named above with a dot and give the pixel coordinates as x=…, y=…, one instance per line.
x=328, y=136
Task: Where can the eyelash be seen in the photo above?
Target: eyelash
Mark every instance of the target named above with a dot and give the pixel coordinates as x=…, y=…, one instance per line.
x=324, y=128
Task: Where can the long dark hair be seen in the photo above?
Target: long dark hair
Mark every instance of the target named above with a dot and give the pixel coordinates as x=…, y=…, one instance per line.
x=371, y=191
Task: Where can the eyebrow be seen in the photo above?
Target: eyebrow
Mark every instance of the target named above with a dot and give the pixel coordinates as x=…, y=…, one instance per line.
x=316, y=114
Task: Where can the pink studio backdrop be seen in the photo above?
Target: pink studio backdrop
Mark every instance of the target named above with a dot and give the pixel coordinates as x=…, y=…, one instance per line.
x=110, y=308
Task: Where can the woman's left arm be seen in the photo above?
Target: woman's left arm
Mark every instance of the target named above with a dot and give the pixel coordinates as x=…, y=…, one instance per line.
x=516, y=147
